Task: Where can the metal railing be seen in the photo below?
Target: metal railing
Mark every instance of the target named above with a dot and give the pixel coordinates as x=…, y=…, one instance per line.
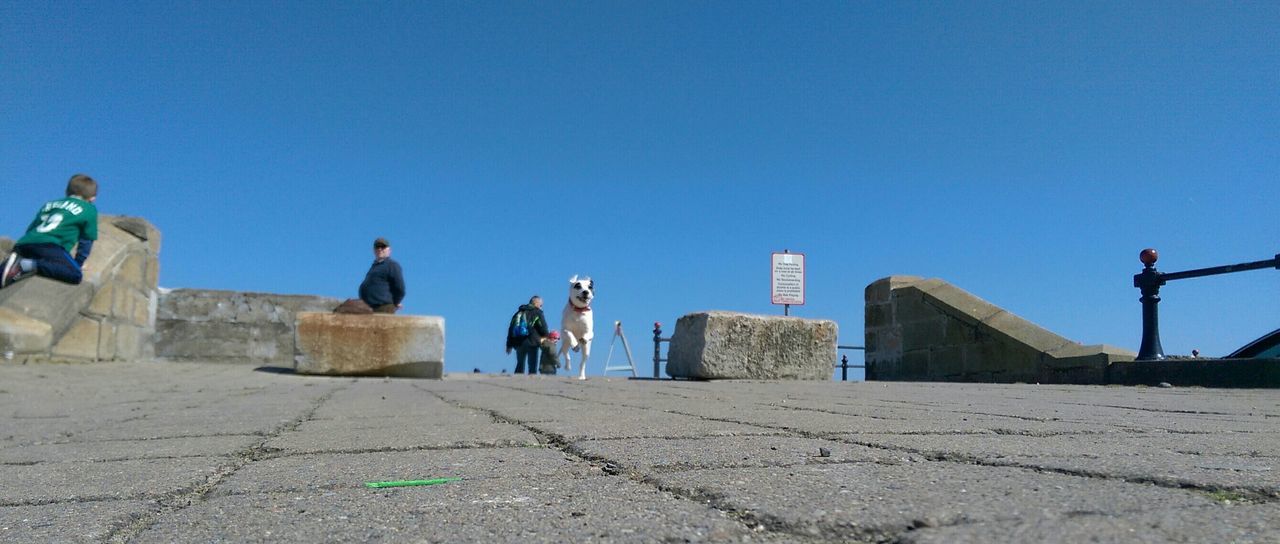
x=1149, y=282
x=657, y=350
x=844, y=365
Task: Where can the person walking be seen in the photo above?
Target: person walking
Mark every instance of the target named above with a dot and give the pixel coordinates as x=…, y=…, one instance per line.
x=524, y=334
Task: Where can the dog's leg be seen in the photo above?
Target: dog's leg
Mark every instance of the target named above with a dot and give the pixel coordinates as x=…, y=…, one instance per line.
x=582, y=365
x=566, y=344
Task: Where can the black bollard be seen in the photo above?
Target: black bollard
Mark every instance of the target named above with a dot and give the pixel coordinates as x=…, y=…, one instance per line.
x=1149, y=281
x=657, y=348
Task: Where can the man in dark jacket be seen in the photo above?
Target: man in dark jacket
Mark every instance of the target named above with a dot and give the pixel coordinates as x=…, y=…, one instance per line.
x=383, y=286
x=528, y=345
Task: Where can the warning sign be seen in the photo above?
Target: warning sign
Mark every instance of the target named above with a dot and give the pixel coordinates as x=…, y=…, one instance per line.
x=787, y=286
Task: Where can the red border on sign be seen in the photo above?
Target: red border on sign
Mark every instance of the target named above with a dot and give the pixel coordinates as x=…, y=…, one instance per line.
x=804, y=281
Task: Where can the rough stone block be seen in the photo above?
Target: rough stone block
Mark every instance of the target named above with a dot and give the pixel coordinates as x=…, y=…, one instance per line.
x=23, y=334
x=153, y=271
x=103, y=301
x=230, y=326
x=881, y=290
x=43, y=299
x=133, y=271
x=129, y=341
x=914, y=366
x=140, y=308
x=6, y=245
x=1015, y=329
x=924, y=334
x=80, y=341
x=107, y=341
x=963, y=306
x=139, y=228
x=369, y=345
x=727, y=345
x=254, y=343
x=877, y=315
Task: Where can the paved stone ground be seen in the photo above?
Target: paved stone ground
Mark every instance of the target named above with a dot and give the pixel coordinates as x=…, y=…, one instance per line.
x=152, y=452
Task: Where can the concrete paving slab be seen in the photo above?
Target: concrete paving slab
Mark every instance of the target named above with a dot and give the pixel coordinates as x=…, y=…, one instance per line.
x=648, y=455
x=75, y=522
x=47, y=482
x=355, y=436
x=876, y=501
x=1085, y=445
x=1238, y=524
x=642, y=424
x=118, y=450
x=352, y=470
x=185, y=426
x=1238, y=461
x=604, y=509
x=378, y=397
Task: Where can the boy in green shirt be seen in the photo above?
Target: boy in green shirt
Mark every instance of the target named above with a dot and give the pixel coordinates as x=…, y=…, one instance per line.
x=59, y=225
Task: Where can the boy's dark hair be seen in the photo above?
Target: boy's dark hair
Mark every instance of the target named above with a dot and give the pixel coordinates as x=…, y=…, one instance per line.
x=82, y=186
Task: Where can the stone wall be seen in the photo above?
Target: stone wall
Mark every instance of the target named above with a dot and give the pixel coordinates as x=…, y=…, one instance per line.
x=109, y=316
x=231, y=327
x=929, y=330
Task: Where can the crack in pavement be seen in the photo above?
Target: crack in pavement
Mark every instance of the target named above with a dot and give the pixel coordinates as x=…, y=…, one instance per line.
x=752, y=522
x=186, y=497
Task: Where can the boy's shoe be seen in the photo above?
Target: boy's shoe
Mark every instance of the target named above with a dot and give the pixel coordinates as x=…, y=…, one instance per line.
x=11, y=269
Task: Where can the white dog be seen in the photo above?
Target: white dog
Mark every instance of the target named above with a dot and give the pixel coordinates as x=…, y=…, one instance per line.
x=576, y=324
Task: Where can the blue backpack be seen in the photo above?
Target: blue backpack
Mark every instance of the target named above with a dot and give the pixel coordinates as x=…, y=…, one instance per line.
x=519, y=325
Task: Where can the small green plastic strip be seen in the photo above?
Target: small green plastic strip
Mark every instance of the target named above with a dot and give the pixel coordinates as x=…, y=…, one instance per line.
x=407, y=483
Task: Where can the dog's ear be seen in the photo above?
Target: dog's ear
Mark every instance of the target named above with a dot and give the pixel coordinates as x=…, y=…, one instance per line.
x=573, y=280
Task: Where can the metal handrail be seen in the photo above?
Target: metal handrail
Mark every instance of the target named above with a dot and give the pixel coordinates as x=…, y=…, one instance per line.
x=844, y=365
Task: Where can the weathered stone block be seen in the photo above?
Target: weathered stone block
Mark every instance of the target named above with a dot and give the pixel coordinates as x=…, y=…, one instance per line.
x=133, y=271
x=43, y=299
x=727, y=345
x=23, y=334
x=139, y=228
x=139, y=309
x=924, y=334
x=914, y=366
x=1015, y=329
x=107, y=341
x=103, y=301
x=881, y=290
x=877, y=315
x=369, y=345
x=129, y=341
x=153, y=271
x=230, y=326
x=961, y=305
x=254, y=343
x=80, y=341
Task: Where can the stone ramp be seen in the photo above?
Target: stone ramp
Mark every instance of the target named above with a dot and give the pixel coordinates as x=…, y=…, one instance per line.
x=929, y=330
x=109, y=316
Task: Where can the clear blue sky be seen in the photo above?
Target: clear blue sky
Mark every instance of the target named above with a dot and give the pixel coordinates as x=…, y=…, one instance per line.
x=1024, y=151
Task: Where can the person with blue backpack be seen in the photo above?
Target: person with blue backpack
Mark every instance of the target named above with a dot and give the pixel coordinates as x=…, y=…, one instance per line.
x=524, y=334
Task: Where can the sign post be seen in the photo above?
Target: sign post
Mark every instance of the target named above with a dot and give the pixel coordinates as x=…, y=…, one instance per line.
x=787, y=280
